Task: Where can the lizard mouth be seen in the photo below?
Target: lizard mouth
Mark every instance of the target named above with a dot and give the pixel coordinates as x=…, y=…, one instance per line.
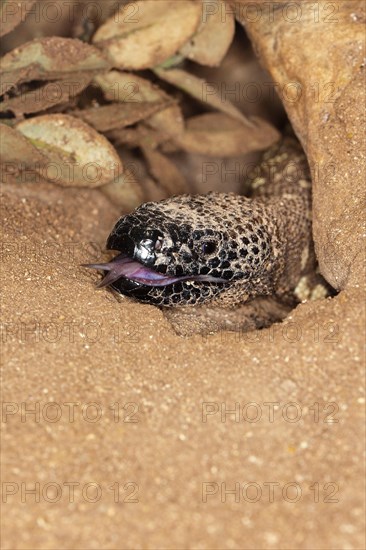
x=124, y=267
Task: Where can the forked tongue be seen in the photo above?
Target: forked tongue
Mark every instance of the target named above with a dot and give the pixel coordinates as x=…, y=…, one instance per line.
x=123, y=266
x=116, y=269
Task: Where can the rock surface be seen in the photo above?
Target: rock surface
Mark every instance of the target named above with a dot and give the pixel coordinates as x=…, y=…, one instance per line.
x=316, y=56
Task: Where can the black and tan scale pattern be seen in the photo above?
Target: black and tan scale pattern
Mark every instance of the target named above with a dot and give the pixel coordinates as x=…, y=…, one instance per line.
x=260, y=246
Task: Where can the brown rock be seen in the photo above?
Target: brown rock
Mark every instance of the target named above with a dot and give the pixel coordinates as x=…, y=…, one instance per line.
x=316, y=56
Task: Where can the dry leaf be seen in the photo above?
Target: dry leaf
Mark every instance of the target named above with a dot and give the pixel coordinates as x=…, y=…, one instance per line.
x=137, y=137
x=117, y=115
x=201, y=90
x=49, y=58
x=165, y=172
x=154, y=192
x=168, y=121
x=216, y=134
x=125, y=191
x=46, y=96
x=18, y=150
x=130, y=88
x=154, y=33
x=77, y=155
x=214, y=36
x=12, y=13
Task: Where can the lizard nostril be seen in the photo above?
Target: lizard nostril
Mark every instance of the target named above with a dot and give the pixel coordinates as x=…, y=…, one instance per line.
x=158, y=245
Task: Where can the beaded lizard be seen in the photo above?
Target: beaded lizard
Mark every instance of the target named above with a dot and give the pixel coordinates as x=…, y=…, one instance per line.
x=238, y=260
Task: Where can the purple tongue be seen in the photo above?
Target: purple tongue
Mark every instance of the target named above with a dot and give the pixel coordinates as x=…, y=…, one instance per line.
x=117, y=268
x=123, y=266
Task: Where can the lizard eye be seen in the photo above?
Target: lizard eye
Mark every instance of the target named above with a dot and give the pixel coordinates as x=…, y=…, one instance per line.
x=209, y=247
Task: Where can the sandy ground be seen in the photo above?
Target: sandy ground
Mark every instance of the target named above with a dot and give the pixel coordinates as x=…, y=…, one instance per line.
x=129, y=445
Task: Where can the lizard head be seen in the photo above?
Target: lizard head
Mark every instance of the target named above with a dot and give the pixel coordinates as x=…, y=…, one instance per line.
x=189, y=249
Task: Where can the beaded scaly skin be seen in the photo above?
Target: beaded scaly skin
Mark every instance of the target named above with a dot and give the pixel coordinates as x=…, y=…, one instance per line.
x=236, y=259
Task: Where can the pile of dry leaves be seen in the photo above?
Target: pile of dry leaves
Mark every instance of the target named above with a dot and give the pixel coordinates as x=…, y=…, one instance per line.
x=89, y=109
